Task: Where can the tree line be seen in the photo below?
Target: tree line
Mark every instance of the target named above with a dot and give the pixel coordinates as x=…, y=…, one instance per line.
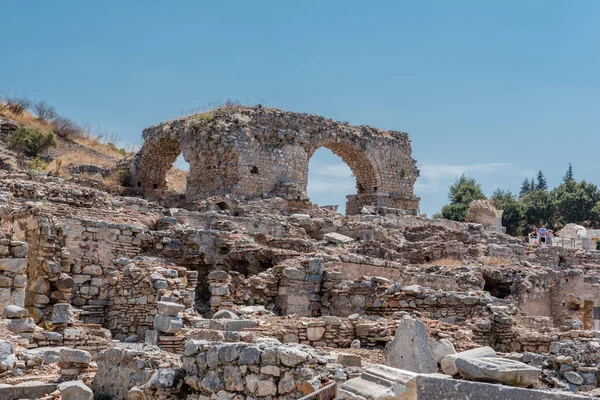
x=535, y=205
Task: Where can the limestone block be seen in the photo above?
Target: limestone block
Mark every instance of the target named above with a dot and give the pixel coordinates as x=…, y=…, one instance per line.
x=337, y=238
x=7, y=356
x=449, y=367
x=441, y=348
x=21, y=325
x=225, y=314
x=293, y=273
x=14, y=265
x=380, y=382
x=75, y=356
x=349, y=360
x=164, y=378
x=291, y=356
x=314, y=333
x=497, y=370
x=75, y=390
x=168, y=308
x=167, y=324
x=410, y=348
x=92, y=270
x=13, y=311
x=62, y=313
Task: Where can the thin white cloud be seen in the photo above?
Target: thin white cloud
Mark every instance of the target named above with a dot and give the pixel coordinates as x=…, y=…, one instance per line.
x=438, y=177
x=338, y=170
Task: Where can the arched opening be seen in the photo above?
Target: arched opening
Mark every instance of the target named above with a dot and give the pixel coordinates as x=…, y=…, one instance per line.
x=177, y=176
x=330, y=180
x=157, y=159
x=339, y=174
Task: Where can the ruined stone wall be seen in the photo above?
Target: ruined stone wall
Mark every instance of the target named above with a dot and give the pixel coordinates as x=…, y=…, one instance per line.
x=256, y=152
x=134, y=291
x=379, y=296
x=13, y=267
x=258, y=370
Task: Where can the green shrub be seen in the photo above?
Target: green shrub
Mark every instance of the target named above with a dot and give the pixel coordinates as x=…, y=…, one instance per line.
x=31, y=140
x=37, y=165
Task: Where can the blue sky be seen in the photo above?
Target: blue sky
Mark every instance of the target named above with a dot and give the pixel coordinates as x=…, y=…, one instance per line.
x=496, y=90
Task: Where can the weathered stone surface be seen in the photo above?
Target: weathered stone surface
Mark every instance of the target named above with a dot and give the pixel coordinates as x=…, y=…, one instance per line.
x=349, y=360
x=21, y=325
x=385, y=383
x=410, y=348
x=7, y=356
x=225, y=314
x=291, y=356
x=27, y=390
x=247, y=160
x=497, y=370
x=448, y=363
x=574, y=378
x=168, y=308
x=164, y=378
x=337, y=238
x=75, y=356
x=75, y=390
x=314, y=333
x=441, y=348
x=167, y=324
x=13, y=311
x=14, y=265
x=62, y=313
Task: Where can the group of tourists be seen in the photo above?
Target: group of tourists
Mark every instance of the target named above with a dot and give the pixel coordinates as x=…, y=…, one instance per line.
x=541, y=236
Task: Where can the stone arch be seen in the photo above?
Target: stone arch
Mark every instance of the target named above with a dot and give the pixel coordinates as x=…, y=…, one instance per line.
x=154, y=160
x=255, y=152
x=363, y=168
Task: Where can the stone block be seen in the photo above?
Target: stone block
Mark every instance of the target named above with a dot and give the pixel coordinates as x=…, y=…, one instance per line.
x=314, y=333
x=497, y=370
x=381, y=382
x=441, y=348
x=168, y=308
x=167, y=324
x=14, y=265
x=21, y=325
x=75, y=390
x=7, y=356
x=75, y=356
x=448, y=362
x=32, y=390
x=62, y=313
x=13, y=311
x=410, y=348
x=349, y=360
x=337, y=238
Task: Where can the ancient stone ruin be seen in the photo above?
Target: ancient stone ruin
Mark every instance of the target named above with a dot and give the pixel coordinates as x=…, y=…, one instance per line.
x=251, y=153
x=243, y=289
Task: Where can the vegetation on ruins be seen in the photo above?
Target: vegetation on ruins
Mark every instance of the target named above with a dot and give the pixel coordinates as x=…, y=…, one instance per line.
x=31, y=140
x=462, y=193
x=535, y=206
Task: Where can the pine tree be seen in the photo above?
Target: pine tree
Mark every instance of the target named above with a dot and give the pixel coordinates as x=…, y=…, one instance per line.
x=532, y=185
x=525, y=188
x=569, y=175
x=541, y=182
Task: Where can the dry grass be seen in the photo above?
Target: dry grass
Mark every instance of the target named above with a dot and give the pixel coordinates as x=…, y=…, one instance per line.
x=90, y=147
x=447, y=262
x=495, y=261
x=25, y=118
x=96, y=144
x=177, y=180
x=76, y=156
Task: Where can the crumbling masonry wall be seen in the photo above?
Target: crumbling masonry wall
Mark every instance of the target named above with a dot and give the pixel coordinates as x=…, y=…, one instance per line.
x=256, y=152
